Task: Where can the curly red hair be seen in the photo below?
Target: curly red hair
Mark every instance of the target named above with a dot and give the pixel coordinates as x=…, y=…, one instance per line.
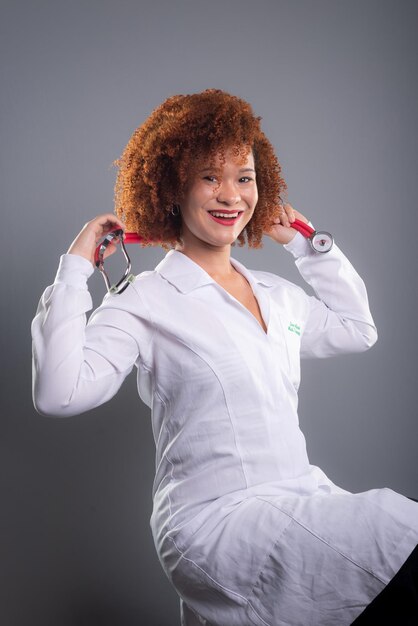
x=181, y=133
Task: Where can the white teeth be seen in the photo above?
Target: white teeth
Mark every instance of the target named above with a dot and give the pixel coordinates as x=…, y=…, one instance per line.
x=230, y=215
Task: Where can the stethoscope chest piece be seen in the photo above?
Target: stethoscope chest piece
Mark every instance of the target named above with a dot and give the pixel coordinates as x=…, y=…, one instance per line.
x=321, y=241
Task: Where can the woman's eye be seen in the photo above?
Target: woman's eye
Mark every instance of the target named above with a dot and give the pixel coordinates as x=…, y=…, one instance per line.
x=245, y=179
x=212, y=179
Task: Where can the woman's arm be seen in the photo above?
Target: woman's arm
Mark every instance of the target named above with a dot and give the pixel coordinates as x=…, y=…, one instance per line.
x=76, y=366
x=338, y=320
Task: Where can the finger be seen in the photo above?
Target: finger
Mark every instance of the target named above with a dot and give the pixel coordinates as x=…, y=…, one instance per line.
x=104, y=224
x=281, y=215
x=279, y=233
x=110, y=249
x=112, y=222
x=286, y=214
x=92, y=234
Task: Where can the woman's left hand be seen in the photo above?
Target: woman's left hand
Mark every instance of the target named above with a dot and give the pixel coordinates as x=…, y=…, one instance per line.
x=280, y=230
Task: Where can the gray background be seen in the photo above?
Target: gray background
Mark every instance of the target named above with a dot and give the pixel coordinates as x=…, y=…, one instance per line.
x=335, y=83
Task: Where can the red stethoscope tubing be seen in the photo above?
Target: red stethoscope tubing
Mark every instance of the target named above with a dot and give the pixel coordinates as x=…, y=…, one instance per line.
x=127, y=238
x=131, y=237
x=117, y=235
x=302, y=227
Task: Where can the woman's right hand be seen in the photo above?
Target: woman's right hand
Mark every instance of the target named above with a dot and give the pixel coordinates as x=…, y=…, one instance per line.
x=91, y=235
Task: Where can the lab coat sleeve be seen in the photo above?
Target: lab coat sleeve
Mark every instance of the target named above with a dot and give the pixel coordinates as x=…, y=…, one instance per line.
x=338, y=319
x=78, y=366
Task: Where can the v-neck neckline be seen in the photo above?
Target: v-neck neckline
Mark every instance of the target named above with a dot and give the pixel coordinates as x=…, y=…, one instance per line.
x=199, y=276
x=265, y=331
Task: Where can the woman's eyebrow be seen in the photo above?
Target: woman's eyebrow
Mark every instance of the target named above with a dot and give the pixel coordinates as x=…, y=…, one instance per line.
x=245, y=169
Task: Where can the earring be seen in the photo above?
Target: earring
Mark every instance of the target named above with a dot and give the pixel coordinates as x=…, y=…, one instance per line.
x=175, y=210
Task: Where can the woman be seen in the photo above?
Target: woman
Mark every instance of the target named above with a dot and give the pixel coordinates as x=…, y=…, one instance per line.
x=247, y=530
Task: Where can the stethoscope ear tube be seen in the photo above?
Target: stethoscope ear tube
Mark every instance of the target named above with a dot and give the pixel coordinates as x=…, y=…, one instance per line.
x=115, y=236
x=320, y=240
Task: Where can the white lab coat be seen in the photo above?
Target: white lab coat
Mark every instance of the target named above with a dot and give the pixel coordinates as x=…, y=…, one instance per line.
x=247, y=530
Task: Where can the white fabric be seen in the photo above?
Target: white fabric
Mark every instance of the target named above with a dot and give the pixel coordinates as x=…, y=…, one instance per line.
x=248, y=531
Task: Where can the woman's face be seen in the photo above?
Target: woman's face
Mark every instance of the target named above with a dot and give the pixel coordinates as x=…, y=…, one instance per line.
x=220, y=189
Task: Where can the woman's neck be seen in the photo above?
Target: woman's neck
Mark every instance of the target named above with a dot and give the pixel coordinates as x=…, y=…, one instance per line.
x=215, y=260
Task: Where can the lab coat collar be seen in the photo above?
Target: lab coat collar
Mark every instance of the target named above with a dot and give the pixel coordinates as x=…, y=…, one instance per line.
x=187, y=275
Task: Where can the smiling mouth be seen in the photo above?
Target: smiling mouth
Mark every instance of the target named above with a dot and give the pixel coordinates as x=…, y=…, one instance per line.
x=225, y=217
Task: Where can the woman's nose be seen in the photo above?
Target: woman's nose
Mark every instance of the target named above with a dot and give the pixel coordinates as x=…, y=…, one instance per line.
x=228, y=194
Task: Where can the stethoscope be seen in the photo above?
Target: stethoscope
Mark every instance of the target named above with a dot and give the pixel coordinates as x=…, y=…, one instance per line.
x=320, y=241
x=116, y=236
